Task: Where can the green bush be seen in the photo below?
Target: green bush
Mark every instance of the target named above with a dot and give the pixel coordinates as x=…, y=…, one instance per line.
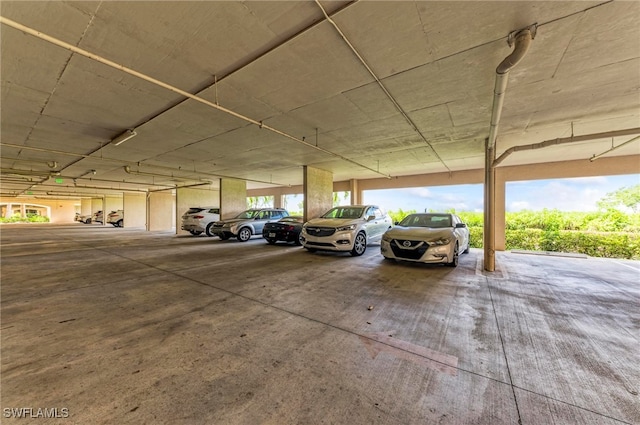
x=31, y=218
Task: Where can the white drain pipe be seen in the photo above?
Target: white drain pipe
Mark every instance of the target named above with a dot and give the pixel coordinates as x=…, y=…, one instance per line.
x=522, y=40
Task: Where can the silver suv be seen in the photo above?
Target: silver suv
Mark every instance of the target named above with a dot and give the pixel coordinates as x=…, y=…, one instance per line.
x=346, y=228
x=200, y=219
x=247, y=223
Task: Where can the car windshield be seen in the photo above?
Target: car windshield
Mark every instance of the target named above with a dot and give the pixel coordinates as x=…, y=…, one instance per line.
x=248, y=214
x=434, y=221
x=344, y=212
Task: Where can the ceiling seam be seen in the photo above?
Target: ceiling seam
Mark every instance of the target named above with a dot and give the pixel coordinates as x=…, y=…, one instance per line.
x=218, y=79
x=381, y=85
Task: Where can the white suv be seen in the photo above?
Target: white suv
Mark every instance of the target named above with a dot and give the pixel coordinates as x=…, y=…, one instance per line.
x=116, y=218
x=200, y=219
x=346, y=228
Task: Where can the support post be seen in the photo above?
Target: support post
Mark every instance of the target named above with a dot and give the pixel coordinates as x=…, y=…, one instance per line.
x=489, y=239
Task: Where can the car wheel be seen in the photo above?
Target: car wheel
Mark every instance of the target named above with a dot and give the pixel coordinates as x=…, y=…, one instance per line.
x=244, y=234
x=359, y=245
x=454, y=261
x=223, y=236
x=298, y=240
x=88, y=221
x=119, y=223
x=207, y=229
x=271, y=241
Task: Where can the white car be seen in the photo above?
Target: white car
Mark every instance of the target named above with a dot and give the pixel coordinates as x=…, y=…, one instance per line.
x=347, y=228
x=427, y=238
x=200, y=219
x=116, y=218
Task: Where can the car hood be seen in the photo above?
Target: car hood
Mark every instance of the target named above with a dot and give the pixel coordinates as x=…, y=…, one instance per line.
x=334, y=222
x=421, y=233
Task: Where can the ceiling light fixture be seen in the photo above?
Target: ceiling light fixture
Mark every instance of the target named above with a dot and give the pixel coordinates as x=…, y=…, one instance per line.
x=128, y=134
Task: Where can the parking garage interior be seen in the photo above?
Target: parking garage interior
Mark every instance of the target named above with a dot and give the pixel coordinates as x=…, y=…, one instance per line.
x=155, y=107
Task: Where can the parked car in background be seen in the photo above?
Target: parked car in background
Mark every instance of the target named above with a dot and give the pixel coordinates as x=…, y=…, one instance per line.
x=247, y=223
x=198, y=220
x=116, y=218
x=96, y=217
x=346, y=228
x=286, y=229
x=427, y=238
x=86, y=219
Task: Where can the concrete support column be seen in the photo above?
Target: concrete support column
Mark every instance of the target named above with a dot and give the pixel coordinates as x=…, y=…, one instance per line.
x=85, y=206
x=499, y=205
x=356, y=193
x=9, y=211
x=318, y=192
x=161, y=211
x=277, y=199
x=97, y=204
x=489, y=212
x=135, y=210
x=233, y=197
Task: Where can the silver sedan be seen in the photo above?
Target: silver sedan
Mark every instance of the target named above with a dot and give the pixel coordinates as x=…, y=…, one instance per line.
x=427, y=238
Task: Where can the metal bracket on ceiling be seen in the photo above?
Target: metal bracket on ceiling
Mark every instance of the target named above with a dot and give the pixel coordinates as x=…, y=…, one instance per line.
x=511, y=38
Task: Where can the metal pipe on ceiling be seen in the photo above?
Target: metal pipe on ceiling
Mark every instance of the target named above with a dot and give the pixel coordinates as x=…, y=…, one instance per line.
x=613, y=148
x=128, y=170
x=571, y=139
x=118, y=161
x=174, y=89
x=381, y=85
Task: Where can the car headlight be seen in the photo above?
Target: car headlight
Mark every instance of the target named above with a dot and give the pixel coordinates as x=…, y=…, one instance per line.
x=345, y=228
x=441, y=242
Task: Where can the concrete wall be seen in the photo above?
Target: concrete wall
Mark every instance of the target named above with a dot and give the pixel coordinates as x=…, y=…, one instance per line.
x=318, y=192
x=135, y=210
x=161, y=211
x=191, y=197
x=85, y=206
x=233, y=197
x=112, y=204
x=97, y=204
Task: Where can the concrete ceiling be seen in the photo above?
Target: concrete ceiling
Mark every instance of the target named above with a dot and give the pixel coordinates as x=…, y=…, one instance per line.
x=286, y=65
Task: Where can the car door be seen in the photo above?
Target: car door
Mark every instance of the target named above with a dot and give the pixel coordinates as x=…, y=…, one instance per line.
x=462, y=233
x=377, y=226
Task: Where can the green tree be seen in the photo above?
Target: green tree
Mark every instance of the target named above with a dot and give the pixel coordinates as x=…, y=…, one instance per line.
x=628, y=197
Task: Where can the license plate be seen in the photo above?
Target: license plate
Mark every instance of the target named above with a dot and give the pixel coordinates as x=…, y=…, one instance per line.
x=272, y=235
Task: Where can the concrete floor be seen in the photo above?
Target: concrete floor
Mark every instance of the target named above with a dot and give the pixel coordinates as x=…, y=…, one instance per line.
x=121, y=326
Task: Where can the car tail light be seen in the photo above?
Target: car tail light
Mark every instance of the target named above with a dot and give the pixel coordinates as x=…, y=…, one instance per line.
x=198, y=216
x=289, y=228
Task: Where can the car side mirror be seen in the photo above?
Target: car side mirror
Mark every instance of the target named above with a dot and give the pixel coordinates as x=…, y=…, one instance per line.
x=460, y=225
x=371, y=217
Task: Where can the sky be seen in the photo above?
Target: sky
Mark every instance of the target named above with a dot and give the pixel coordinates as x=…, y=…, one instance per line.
x=576, y=194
